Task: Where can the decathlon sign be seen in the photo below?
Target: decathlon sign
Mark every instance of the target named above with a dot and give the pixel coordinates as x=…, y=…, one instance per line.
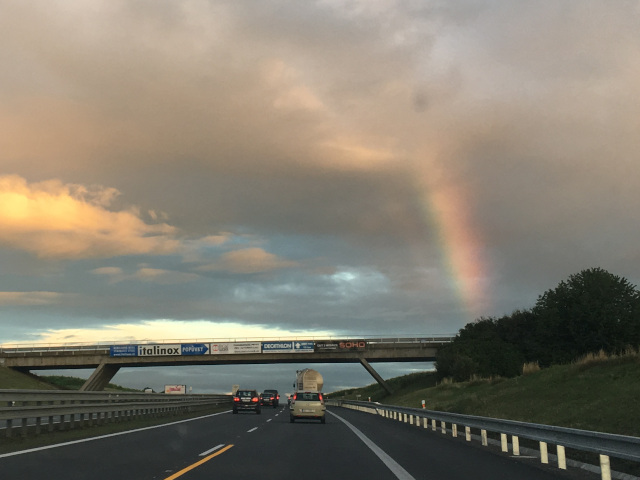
x=277, y=347
x=288, y=347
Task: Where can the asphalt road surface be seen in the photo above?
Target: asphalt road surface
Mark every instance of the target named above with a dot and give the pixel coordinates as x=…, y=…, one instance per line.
x=351, y=445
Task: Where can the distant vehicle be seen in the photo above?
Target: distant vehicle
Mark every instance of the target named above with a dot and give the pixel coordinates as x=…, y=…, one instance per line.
x=246, y=400
x=308, y=380
x=276, y=396
x=267, y=398
x=307, y=405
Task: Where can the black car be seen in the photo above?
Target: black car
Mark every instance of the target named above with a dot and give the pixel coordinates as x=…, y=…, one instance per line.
x=268, y=399
x=246, y=400
x=276, y=396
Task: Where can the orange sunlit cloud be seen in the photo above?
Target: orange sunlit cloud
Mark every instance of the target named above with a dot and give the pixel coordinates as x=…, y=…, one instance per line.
x=56, y=220
x=30, y=298
x=250, y=260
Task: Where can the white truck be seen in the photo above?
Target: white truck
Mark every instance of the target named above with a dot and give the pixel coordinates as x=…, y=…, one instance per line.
x=308, y=380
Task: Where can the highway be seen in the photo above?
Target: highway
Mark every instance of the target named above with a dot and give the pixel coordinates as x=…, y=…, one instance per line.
x=351, y=445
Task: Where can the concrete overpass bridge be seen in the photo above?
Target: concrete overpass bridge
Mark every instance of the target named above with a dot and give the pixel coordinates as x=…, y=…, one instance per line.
x=107, y=359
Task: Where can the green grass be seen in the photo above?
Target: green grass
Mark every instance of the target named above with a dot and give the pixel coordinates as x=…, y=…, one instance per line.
x=74, y=383
x=600, y=395
x=11, y=379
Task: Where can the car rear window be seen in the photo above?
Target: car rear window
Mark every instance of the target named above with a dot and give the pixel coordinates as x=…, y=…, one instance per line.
x=245, y=393
x=308, y=397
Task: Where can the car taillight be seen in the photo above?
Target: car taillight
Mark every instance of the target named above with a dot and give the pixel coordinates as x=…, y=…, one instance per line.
x=254, y=399
x=236, y=399
x=321, y=399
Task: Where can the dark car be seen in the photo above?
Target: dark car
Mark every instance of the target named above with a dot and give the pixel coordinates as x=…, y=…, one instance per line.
x=276, y=396
x=268, y=399
x=246, y=400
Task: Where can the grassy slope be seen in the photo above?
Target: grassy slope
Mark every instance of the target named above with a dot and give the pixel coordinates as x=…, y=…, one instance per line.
x=10, y=379
x=600, y=396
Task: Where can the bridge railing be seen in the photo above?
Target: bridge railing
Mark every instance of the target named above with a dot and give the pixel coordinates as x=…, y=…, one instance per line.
x=604, y=444
x=101, y=347
x=29, y=411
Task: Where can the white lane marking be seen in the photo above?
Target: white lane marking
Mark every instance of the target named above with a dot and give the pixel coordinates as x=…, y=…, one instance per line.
x=252, y=430
x=204, y=454
x=394, y=466
x=269, y=420
x=107, y=436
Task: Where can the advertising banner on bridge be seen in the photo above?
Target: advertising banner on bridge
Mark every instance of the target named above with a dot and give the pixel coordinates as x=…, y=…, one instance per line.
x=303, y=347
x=234, y=348
x=352, y=345
x=277, y=347
x=288, y=347
x=340, y=345
x=194, y=348
x=159, y=350
x=123, y=350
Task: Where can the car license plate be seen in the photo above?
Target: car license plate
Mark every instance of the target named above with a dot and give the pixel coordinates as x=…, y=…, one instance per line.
x=307, y=410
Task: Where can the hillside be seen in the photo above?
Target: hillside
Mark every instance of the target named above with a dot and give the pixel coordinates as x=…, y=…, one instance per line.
x=11, y=379
x=599, y=394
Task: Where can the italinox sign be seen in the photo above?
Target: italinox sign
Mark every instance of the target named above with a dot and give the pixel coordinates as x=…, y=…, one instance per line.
x=157, y=350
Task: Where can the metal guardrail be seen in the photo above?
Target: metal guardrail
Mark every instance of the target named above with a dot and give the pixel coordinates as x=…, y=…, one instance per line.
x=33, y=409
x=605, y=444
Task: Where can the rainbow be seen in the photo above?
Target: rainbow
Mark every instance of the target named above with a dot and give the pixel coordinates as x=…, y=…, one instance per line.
x=461, y=246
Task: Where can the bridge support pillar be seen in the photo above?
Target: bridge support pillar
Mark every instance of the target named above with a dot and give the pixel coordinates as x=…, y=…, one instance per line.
x=376, y=375
x=100, y=378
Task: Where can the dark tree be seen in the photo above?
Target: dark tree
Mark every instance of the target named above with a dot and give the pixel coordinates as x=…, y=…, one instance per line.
x=592, y=310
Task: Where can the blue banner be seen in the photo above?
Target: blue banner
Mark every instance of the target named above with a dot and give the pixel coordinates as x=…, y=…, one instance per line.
x=124, y=350
x=194, y=348
x=303, y=347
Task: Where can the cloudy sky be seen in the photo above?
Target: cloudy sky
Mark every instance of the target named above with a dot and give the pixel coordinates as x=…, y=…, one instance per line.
x=204, y=169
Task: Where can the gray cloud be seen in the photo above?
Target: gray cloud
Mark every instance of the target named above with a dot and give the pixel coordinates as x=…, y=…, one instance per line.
x=348, y=166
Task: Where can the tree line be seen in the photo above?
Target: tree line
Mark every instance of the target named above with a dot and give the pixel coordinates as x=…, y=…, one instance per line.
x=590, y=311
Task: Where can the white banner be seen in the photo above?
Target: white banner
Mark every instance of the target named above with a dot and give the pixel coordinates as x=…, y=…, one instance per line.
x=230, y=348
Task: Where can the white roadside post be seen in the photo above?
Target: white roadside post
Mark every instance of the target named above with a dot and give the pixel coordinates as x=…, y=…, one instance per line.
x=562, y=460
x=605, y=467
x=544, y=456
x=516, y=445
